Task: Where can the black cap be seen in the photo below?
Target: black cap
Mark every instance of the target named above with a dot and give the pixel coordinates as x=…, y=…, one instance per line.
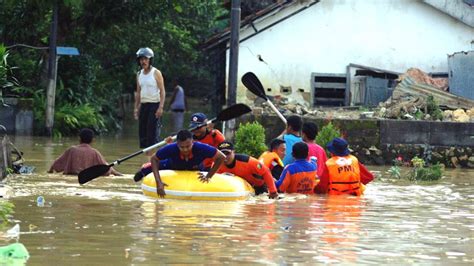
x=226, y=146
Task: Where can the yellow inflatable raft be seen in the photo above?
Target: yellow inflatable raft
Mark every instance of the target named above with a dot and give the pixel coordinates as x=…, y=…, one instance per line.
x=186, y=185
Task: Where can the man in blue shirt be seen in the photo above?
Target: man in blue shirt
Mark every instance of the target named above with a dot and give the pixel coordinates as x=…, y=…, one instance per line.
x=184, y=154
x=292, y=136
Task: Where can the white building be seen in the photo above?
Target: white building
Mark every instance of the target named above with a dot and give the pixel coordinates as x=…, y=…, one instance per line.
x=286, y=44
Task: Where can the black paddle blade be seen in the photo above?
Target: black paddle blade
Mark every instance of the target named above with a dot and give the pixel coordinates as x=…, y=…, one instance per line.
x=92, y=172
x=252, y=83
x=233, y=111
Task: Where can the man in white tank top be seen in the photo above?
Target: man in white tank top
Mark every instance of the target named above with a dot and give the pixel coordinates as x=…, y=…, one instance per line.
x=178, y=106
x=149, y=99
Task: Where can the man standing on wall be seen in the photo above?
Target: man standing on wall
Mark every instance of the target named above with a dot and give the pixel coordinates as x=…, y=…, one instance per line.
x=149, y=100
x=178, y=106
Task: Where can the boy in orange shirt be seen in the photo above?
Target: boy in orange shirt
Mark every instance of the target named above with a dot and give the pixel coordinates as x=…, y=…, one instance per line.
x=273, y=157
x=299, y=176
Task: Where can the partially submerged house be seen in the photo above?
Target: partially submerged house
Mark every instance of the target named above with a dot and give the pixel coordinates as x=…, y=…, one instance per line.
x=345, y=52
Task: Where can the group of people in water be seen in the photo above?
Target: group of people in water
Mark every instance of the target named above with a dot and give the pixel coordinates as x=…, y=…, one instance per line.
x=294, y=163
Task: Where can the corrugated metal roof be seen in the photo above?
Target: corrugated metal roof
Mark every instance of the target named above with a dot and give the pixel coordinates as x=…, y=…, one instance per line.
x=461, y=10
x=249, y=20
x=469, y=2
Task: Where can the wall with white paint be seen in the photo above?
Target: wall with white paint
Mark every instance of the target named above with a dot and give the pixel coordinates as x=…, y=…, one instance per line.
x=387, y=34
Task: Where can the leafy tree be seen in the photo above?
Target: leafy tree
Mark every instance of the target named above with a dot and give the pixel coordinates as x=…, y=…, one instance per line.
x=107, y=34
x=6, y=79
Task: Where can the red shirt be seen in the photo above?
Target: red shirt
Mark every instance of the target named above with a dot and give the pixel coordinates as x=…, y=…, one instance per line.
x=320, y=154
x=251, y=170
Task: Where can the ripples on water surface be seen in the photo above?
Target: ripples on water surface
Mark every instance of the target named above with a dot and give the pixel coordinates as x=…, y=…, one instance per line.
x=109, y=222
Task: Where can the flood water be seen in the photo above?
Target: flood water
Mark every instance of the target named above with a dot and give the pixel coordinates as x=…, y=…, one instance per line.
x=109, y=222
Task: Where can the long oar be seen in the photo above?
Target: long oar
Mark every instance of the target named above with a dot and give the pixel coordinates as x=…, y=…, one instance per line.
x=95, y=171
x=254, y=85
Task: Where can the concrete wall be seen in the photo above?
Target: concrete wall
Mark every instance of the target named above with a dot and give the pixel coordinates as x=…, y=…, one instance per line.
x=427, y=133
x=17, y=116
x=381, y=141
x=326, y=37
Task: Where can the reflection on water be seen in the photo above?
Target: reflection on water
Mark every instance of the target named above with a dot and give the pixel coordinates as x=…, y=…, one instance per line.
x=108, y=221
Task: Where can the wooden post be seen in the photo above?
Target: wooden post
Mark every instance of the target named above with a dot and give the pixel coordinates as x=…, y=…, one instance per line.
x=234, y=53
x=233, y=64
x=52, y=73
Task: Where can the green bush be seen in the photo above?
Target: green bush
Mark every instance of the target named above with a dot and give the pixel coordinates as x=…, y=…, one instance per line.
x=6, y=79
x=395, y=172
x=433, y=109
x=250, y=139
x=3, y=67
x=418, y=115
x=421, y=172
x=430, y=173
x=6, y=208
x=326, y=134
x=69, y=119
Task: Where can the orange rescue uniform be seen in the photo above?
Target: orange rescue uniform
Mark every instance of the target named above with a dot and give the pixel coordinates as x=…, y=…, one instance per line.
x=252, y=171
x=273, y=162
x=298, y=177
x=343, y=175
x=270, y=159
x=213, y=137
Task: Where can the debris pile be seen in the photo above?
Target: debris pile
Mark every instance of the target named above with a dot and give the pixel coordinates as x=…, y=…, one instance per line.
x=420, y=77
x=417, y=96
x=420, y=97
x=459, y=115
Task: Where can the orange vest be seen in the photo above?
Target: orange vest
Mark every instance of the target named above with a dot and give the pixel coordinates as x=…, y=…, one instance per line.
x=344, y=175
x=251, y=170
x=213, y=138
x=270, y=159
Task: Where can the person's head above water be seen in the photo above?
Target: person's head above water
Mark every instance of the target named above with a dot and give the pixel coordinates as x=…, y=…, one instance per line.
x=86, y=135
